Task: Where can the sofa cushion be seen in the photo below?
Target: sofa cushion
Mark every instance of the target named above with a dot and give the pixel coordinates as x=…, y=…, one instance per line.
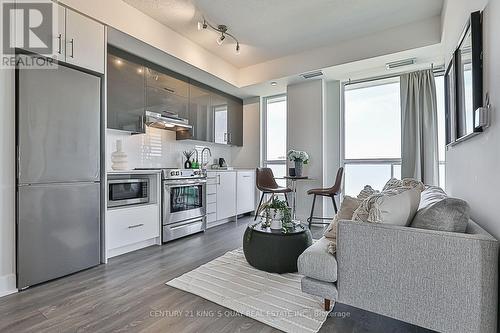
x=448, y=214
x=430, y=195
x=326, y=290
x=315, y=262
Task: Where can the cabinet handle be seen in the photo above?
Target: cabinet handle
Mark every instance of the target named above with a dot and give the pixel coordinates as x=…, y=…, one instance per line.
x=60, y=43
x=135, y=226
x=229, y=137
x=218, y=179
x=72, y=42
x=246, y=176
x=225, y=137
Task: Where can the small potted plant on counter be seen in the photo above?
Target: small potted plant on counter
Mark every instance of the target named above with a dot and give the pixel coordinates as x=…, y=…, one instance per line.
x=300, y=158
x=188, y=154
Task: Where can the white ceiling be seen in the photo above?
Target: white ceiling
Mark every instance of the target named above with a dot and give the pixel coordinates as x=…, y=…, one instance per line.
x=272, y=29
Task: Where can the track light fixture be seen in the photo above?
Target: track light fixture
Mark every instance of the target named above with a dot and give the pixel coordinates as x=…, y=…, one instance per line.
x=222, y=29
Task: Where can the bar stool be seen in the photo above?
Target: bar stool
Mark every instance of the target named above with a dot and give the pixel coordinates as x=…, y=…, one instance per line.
x=326, y=192
x=267, y=185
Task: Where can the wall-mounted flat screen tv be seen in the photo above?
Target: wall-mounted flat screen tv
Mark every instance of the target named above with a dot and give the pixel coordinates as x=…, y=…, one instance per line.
x=464, y=82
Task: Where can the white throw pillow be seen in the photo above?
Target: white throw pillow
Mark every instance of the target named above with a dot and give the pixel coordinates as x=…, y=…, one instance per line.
x=399, y=209
x=396, y=206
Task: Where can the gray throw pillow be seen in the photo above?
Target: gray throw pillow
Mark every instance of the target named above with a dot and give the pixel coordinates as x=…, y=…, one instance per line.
x=449, y=214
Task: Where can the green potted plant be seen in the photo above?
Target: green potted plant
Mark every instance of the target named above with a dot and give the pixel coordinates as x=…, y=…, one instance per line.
x=300, y=158
x=277, y=213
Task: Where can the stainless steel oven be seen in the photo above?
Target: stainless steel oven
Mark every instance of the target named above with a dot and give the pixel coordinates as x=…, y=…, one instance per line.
x=127, y=192
x=184, y=207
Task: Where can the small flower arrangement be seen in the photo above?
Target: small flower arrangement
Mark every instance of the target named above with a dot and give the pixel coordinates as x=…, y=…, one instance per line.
x=298, y=156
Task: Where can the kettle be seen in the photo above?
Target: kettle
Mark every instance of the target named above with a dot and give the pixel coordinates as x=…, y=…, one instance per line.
x=222, y=163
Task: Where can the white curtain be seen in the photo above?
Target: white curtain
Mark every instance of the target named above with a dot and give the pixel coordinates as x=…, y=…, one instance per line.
x=419, y=134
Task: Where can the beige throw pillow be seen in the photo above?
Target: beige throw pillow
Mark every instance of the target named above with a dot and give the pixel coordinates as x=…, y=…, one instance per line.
x=367, y=192
x=347, y=208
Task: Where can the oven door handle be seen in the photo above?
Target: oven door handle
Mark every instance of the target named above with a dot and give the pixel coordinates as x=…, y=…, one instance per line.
x=185, y=184
x=184, y=223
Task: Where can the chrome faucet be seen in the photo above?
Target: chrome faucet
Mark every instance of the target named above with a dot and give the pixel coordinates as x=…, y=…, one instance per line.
x=203, y=163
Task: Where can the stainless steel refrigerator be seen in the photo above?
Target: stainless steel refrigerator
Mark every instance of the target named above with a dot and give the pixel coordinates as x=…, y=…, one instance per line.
x=58, y=173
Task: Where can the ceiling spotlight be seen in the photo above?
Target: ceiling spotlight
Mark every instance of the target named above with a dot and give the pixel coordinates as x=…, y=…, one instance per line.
x=118, y=62
x=139, y=70
x=274, y=83
x=202, y=25
x=222, y=29
x=220, y=40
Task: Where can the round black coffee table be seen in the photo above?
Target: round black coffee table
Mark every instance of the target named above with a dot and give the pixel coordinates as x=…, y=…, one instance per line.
x=275, y=251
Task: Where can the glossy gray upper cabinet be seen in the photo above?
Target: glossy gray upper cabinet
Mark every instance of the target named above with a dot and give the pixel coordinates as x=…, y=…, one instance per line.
x=228, y=120
x=165, y=93
x=235, y=122
x=126, y=95
x=220, y=111
x=200, y=115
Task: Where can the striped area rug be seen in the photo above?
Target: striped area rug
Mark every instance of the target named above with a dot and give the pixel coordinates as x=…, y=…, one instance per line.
x=273, y=299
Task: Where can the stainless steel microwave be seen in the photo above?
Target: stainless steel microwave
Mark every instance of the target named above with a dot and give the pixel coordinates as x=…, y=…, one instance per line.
x=128, y=192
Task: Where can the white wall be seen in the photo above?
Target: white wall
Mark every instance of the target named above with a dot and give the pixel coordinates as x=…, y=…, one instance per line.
x=305, y=132
x=472, y=167
x=7, y=183
x=331, y=144
x=248, y=156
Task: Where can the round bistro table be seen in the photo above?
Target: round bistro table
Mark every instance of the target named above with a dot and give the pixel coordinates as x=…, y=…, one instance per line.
x=275, y=251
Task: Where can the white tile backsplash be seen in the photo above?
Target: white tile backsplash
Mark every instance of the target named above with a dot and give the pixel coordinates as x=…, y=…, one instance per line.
x=157, y=149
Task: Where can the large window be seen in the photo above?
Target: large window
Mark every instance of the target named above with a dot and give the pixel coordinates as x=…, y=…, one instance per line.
x=275, y=135
x=441, y=129
x=372, y=133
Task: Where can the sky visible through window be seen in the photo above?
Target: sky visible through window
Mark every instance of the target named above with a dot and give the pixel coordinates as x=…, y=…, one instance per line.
x=373, y=122
x=373, y=132
x=276, y=129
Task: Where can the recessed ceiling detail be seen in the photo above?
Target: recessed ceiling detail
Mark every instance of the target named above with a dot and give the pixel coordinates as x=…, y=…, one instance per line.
x=274, y=29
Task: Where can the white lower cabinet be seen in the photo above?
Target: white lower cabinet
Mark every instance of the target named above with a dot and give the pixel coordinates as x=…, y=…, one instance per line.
x=226, y=195
x=229, y=193
x=131, y=227
x=245, y=192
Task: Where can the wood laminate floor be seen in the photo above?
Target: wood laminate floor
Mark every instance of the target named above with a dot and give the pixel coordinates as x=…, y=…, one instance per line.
x=129, y=295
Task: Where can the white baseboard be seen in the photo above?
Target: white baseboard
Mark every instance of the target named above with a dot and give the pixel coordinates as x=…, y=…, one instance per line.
x=7, y=285
x=133, y=247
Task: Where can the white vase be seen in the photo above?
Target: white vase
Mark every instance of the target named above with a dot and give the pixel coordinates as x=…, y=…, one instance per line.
x=276, y=225
x=276, y=217
x=119, y=157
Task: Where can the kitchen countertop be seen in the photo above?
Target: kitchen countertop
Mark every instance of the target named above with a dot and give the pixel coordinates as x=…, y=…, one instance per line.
x=135, y=172
x=229, y=170
x=155, y=171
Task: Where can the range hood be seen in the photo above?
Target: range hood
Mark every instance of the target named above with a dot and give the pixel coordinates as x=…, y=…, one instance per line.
x=167, y=121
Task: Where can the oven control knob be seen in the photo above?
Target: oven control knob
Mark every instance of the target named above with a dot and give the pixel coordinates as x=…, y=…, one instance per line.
x=172, y=173
x=177, y=173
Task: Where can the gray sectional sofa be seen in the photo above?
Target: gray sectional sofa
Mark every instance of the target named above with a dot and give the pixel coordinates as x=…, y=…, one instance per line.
x=444, y=281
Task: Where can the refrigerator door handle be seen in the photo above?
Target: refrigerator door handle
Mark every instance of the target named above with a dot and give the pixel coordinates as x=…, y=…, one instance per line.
x=18, y=161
